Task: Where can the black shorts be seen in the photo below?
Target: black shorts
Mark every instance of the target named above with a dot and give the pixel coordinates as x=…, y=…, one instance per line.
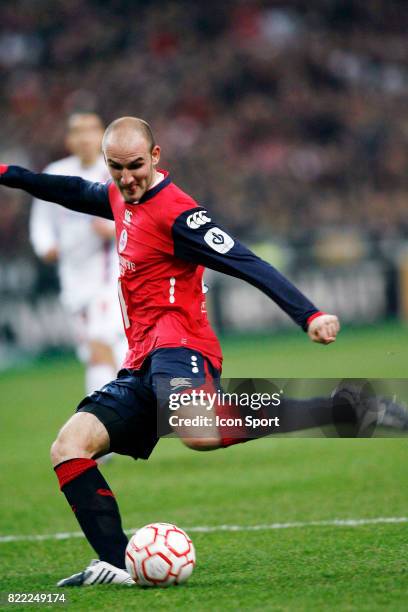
x=129, y=406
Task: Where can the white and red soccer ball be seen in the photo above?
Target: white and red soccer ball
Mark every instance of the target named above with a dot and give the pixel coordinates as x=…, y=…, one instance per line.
x=160, y=554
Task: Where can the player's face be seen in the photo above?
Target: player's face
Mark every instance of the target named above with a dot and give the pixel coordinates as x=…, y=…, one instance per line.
x=84, y=137
x=132, y=167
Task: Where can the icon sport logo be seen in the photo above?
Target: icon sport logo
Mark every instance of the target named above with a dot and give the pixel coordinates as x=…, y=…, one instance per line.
x=218, y=240
x=198, y=219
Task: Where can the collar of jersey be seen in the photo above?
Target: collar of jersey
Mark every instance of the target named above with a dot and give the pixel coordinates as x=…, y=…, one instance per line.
x=155, y=190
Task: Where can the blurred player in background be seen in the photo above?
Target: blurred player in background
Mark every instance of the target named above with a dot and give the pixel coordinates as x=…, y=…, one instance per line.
x=83, y=247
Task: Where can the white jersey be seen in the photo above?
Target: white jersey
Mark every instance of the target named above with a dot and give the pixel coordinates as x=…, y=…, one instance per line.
x=87, y=263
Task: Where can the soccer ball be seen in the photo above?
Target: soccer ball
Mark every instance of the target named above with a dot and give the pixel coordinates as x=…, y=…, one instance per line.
x=160, y=554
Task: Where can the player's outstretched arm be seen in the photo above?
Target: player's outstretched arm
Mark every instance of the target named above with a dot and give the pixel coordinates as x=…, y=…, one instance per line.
x=197, y=239
x=72, y=192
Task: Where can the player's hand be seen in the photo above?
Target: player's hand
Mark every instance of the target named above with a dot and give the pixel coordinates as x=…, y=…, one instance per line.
x=324, y=329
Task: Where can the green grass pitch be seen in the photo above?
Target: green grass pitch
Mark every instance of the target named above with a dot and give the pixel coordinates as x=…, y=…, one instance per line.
x=281, y=480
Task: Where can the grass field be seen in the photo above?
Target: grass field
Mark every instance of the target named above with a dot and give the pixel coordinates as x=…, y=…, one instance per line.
x=281, y=480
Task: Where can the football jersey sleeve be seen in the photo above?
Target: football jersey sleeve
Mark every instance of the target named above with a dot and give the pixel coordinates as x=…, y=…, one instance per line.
x=199, y=240
x=72, y=192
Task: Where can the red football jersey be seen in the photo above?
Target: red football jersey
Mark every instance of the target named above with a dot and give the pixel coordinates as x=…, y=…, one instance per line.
x=161, y=296
x=164, y=242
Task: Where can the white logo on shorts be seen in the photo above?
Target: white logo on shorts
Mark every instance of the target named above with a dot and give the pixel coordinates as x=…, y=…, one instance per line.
x=218, y=240
x=198, y=219
x=194, y=364
x=179, y=383
x=123, y=241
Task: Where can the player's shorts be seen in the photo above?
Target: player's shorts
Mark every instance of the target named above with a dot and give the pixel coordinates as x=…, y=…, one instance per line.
x=129, y=405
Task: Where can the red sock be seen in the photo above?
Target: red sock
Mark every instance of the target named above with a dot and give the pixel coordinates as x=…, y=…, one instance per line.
x=231, y=434
x=72, y=468
x=95, y=508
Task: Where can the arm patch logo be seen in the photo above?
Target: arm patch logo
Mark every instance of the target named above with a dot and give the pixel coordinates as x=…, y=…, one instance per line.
x=218, y=240
x=198, y=219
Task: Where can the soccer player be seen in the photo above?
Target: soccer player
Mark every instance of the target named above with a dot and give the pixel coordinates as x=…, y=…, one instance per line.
x=84, y=249
x=164, y=241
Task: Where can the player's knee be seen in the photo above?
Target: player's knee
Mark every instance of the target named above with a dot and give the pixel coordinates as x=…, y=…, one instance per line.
x=202, y=444
x=64, y=448
x=56, y=452
x=82, y=436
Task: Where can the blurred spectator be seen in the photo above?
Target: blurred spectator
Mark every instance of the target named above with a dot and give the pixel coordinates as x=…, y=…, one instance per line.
x=283, y=116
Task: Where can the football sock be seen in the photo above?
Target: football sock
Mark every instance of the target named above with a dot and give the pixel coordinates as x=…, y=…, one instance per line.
x=98, y=375
x=293, y=415
x=299, y=414
x=95, y=508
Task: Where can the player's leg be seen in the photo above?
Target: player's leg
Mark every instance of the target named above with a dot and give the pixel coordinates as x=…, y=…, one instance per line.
x=100, y=368
x=100, y=341
x=106, y=344
x=117, y=418
x=291, y=415
x=182, y=372
x=100, y=365
x=190, y=402
x=105, y=338
x=82, y=439
x=204, y=423
x=346, y=412
x=204, y=436
x=186, y=385
x=351, y=409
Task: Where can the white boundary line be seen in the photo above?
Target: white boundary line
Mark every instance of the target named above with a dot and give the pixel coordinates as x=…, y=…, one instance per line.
x=67, y=535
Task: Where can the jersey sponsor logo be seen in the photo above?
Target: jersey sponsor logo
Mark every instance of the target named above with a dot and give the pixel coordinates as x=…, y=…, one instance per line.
x=123, y=241
x=126, y=264
x=218, y=240
x=198, y=219
x=180, y=383
x=128, y=217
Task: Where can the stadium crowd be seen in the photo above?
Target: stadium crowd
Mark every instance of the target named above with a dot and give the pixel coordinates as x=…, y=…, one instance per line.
x=285, y=117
